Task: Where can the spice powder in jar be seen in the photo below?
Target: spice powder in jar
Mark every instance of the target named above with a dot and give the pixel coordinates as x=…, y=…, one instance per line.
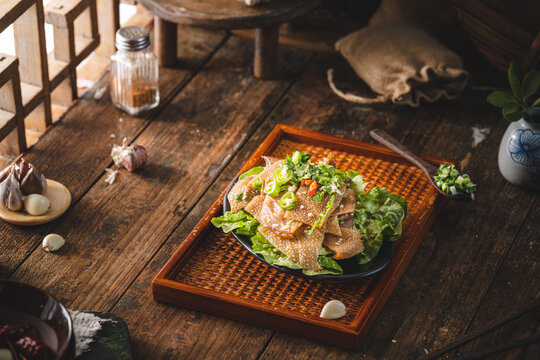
x=134, y=71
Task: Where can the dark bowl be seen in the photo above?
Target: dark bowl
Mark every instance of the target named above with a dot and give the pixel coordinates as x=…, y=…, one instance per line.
x=351, y=269
x=20, y=303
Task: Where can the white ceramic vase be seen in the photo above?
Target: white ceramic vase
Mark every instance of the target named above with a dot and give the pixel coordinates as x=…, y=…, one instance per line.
x=519, y=154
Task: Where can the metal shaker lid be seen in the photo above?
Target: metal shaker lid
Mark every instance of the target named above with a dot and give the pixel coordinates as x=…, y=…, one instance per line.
x=132, y=38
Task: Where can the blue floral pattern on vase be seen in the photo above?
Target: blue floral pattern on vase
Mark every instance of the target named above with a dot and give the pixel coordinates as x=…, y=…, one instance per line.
x=524, y=147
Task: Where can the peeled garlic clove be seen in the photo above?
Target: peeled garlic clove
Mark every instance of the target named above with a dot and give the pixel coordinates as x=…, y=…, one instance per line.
x=10, y=193
x=53, y=242
x=130, y=157
x=31, y=179
x=334, y=309
x=5, y=354
x=36, y=204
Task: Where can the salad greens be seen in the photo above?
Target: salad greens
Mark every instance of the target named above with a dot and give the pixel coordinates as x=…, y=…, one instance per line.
x=450, y=181
x=241, y=221
x=378, y=216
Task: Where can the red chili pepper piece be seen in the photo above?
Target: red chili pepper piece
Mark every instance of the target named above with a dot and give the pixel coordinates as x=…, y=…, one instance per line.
x=33, y=348
x=13, y=332
x=312, y=186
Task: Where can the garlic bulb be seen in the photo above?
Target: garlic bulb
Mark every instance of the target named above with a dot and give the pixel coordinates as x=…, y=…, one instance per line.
x=31, y=179
x=36, y=204
x=52, y=242
x=130, y=157
x=334, y=309
x=10, y=193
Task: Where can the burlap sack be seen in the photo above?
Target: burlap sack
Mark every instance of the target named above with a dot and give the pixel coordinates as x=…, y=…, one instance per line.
x=402, y=64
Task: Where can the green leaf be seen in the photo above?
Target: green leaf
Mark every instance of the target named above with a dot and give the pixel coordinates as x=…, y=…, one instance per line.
x=531, y=84
x=329, y=264
x=240, y=221
x=501, y=99
x=515, y=74
x=378, y=217
x=510, y=109
x=515, y=116
x=536, y=103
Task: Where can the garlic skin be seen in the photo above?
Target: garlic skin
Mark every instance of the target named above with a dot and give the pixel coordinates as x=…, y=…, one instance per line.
x=110, y=176
x=31, y=179
x=130, y=157
x=52, y=242
x=36, y=204
x=5, y=173
x=11, y=196
x=334, y=309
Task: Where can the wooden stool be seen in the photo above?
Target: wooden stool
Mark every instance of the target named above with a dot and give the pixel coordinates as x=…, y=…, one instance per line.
x=226, y=14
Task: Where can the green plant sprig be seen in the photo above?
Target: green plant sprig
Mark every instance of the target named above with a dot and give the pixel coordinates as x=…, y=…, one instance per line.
x=520, y=103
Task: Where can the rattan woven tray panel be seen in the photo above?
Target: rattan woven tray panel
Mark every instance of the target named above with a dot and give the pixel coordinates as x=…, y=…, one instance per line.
x=219, y=267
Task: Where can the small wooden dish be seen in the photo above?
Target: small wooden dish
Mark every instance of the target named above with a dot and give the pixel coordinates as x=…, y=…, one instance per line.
x=60, y=198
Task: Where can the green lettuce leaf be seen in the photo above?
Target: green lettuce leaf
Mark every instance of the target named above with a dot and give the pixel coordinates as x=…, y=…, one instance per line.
x=379, y=215
x=241, y=221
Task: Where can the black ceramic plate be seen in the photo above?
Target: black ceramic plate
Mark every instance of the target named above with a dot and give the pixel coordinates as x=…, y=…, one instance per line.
x=351, y=269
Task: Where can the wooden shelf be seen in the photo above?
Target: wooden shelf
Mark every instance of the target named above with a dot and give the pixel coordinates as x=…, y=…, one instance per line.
x=31, y=96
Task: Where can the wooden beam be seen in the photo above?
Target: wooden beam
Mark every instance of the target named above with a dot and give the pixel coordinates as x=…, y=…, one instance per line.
x=108, y=23
x=30, y=47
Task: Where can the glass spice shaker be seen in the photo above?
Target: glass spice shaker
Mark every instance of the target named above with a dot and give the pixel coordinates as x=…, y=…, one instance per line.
x=134, y=71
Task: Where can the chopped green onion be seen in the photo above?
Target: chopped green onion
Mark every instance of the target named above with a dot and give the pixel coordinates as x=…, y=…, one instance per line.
x=296, y=157
x=323, y=215
x=257, y=183
x=253, y=171
x=317, y=198
x=288, y=201
x=449, y=180
x=241, y=196
x=272, y=188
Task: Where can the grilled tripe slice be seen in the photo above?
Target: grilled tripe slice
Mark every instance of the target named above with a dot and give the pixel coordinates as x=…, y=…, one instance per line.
x=267, y=211
x=345, y=246
x=332, y=226
x=307, y=211
x=348, y=203
x=302, y=249
x=238, y=188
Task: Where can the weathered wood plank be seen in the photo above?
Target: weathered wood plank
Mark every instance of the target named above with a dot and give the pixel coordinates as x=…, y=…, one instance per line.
x=469, y=249
x=76, y=150
x=114, y=231
x=518, y=275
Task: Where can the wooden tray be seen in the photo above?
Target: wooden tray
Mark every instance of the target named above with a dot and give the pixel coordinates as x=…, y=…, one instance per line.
x=211, y=272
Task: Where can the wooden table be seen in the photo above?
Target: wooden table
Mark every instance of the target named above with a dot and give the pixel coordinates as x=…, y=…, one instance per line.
x=478, y=263
x=226, y=14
